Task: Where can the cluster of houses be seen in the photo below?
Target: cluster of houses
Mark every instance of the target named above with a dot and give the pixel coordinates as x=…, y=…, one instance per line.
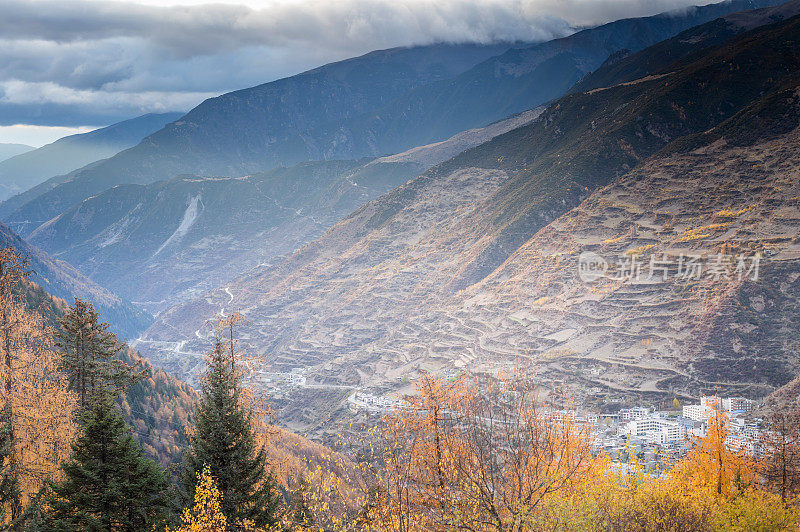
x=375, y=404
x=659, y=437
x=663, y=427
x=294, y=378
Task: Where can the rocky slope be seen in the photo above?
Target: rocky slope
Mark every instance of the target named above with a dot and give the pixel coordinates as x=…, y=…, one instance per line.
x=383, y=102
x=64, y=281
x=34, y=166
x=167, y=242
x=474, y=264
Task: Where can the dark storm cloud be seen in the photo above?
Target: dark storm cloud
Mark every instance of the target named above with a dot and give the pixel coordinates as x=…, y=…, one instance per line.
x=356, y=24
x=83, y=62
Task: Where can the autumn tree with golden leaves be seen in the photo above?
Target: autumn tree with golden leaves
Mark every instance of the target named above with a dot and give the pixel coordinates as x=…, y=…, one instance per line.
x=206, y=513
x=475, y=456
x=34, y=397
x=712, y=465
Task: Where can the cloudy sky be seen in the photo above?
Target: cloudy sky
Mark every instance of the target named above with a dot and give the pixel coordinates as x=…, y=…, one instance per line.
x=71, y=65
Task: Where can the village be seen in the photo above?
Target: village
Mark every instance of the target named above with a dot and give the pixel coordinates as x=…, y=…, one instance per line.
x=639, y=437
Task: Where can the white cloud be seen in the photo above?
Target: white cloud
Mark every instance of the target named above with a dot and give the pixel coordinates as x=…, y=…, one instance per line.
x=75, y=62
x=23, y=93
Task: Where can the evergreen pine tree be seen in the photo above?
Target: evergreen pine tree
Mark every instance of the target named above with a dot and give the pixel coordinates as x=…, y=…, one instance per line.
x=90, y=352
x=109, y=484
x=9, y=484
x=13, y=270
x=224, y=442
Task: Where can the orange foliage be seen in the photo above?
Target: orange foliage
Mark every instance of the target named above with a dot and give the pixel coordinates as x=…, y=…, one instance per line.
x=712, y=465
x=461, y=455
x=33, y=389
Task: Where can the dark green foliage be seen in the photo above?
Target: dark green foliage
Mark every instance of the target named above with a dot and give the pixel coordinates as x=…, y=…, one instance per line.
x=224, y=441
x=9, y=488
x=109, y=484
x=151, y=397
x=90, y=354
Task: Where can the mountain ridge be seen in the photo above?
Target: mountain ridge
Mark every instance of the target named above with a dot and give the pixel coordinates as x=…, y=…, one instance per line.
x=171, y=240
x=388, y=106
x=378, y=297
x=8, y=150
x=62, y=280
x=33, y=167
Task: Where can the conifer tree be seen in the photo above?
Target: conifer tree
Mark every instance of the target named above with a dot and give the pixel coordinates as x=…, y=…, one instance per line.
x=224, y=442
x=89, y=354
x=13, y=270
x=109, y=484
x=9, y=482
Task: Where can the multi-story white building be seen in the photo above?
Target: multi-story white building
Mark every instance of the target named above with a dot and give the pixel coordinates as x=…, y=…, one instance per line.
x=708, y=403
x=656, y=430
x=696, y=412
x=738, y=404
x=639, y=412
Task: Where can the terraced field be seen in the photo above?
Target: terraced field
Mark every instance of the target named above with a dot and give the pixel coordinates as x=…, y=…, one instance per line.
x=381, y=310
x=474, y=265
x=650, y=335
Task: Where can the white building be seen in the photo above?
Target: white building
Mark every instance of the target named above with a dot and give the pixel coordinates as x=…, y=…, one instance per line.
x=696, y=412
x=738, y=404
x=707, y=403
x=656, y=430
x=639, y=412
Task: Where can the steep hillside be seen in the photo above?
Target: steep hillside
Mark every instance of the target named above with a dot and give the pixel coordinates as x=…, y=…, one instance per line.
x=260, y=128
x=32, y=167
x=633, y=66
x=384, y=102
x=522, y=78
x=474, y=264
x=159, y=408
x=163, y=243
x=785, y=399
x=63, y=281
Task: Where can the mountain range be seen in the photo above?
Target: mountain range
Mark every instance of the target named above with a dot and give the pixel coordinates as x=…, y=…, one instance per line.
x=170, y=241
x=381, y=103
x=429, y=208
x=256, y=129
x=474, y=264
x=35, y=166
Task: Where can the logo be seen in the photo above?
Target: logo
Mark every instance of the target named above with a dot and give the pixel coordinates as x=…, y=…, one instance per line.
x=591, y=267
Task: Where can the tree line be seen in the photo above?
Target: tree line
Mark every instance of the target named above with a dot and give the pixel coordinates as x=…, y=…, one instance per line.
x=467, y=454
x=482, y=454
x=68, y=461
